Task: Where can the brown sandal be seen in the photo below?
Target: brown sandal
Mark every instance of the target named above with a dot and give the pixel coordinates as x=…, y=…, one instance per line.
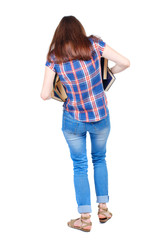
x=82, y=227
x=104, y=211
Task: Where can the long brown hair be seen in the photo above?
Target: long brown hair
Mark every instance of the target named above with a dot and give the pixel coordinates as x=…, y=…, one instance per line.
x=70, y=41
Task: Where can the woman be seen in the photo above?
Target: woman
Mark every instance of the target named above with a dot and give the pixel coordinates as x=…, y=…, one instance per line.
x=76, y=59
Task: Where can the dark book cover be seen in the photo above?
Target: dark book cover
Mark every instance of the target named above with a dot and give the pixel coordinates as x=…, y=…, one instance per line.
x=107, y=76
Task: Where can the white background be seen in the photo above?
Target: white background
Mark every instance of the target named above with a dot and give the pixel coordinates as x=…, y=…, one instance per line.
x=36, y=176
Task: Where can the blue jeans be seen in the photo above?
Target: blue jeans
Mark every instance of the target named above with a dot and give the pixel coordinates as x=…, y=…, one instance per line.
x=75, y=132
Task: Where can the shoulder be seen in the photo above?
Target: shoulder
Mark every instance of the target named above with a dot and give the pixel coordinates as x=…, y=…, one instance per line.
x=94, y=38
x=97, y=42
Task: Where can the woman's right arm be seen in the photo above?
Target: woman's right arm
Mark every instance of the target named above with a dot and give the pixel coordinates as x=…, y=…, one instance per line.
x=121, y=62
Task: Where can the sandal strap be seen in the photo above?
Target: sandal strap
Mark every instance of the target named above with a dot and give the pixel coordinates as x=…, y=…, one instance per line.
x=71, y=222
x=104, y=211
x=86, y=217
x=102, y=208
x=84, y=224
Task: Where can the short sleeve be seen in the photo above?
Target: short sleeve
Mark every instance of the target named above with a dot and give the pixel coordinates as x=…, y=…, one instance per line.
x=51, y=65
x=101, y=46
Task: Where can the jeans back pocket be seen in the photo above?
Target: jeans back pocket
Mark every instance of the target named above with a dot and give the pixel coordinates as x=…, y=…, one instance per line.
x=69, y=124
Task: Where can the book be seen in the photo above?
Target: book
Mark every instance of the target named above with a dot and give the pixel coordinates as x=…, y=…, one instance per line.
x=107, y=76
x=58, y=92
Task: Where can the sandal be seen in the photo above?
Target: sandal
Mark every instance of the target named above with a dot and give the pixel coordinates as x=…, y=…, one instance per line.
x=104, y=211
x=82, y=227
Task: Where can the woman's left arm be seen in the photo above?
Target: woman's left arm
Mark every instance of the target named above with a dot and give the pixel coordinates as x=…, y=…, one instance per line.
x=47, y=83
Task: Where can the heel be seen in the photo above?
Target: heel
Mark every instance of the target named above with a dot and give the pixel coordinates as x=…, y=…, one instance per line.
x=105, y=212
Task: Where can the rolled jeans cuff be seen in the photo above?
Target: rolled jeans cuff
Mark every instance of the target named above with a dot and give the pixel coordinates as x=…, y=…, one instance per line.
x=102, y=199
x=84, y=209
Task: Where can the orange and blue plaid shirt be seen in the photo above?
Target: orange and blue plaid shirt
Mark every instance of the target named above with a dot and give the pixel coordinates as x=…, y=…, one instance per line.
x=87, y=101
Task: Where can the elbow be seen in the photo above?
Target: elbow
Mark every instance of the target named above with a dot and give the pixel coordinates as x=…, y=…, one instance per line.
x=127, y=63
x=43, y=96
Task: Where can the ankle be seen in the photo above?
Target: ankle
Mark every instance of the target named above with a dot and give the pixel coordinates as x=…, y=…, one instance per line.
x=86, y=215
x=103, y=205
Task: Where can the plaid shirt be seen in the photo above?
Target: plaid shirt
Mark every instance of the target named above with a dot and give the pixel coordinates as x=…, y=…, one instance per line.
x=87, y=101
